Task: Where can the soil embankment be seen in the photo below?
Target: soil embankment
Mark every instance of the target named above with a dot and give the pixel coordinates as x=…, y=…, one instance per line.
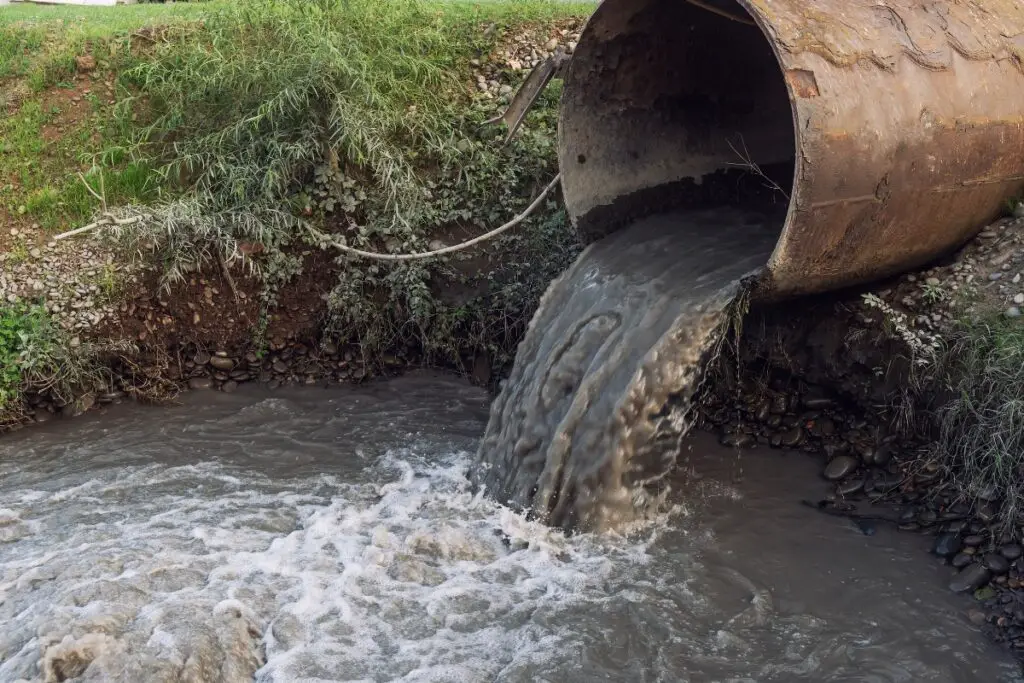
x=189, y=283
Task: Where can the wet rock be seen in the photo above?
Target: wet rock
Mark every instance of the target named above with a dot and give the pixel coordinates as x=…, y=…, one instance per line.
x=840, y=467
x=927, y=517
x=229, y=387
x=888, y=482
x=947, y=545
x=200, y=383
x=970, y=578
x=793, y=438
x=883, y=454
x=850, y=487
x=201, y=358
x=974, y=540
x=222, y=363
x=280, y=367
x=996, y=563
x=1011, y=551
x=961, y=560
x=817, y=402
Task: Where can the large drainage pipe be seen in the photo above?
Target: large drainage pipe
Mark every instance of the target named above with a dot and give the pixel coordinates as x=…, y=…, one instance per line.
x=894, y=129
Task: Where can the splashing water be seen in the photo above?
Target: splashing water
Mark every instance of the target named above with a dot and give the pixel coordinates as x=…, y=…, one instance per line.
x=587, y=427
x=334, y=536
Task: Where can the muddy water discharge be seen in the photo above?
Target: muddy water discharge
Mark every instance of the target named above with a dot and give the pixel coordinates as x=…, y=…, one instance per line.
x=587, y=427
x=332, y=536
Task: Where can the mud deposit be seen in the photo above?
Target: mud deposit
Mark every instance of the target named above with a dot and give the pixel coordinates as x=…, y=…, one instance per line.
x=333, y=535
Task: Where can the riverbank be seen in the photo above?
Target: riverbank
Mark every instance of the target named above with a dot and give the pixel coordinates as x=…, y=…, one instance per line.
x=228, y=140
x=907, y=393
x=233, y=143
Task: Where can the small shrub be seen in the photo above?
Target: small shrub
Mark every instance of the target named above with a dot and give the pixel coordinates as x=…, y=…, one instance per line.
x=37, y=355
x=356, y=118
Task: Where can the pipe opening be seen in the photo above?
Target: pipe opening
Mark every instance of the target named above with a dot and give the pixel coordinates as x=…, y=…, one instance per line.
x=669, y=104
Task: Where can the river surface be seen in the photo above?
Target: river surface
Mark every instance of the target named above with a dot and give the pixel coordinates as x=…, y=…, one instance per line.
x=332, y=535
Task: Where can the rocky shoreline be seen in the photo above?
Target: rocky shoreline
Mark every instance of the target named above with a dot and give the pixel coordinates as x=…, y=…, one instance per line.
x=792, y=389
x=831, y=379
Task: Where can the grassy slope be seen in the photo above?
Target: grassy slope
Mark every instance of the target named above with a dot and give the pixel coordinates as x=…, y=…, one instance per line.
x=242, y=100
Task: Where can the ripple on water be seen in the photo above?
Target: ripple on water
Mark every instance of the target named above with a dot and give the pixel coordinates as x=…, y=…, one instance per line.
x=173, y=568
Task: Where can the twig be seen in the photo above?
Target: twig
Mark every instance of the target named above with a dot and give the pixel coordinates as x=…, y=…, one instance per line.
x=749, y=164
x=106, y=220
x=227, y=275
x=103, y=201
x=446, y=250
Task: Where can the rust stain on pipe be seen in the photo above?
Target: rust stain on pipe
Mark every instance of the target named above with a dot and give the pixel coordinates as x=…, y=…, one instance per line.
x=903, y=120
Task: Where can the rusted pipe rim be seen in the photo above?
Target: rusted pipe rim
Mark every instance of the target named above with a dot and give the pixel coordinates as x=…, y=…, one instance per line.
x=898, y=124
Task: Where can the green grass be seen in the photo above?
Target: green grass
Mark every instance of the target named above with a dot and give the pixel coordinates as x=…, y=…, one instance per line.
x=258, y=120
x=980, y=439
x=358, y=116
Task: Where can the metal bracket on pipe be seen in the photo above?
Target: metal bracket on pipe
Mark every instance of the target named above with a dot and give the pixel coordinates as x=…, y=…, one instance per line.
x=529, y=91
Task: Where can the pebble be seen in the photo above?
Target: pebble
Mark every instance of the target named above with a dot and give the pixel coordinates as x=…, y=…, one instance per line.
x=1012, y=312
x=1012, y=551
x=229, y=387
x=222, y=363
x=970, y=578
x=793, y=438
x=997, y=564
x=840, y=466
x=1018, y=298
x=200, y=383
x=947, y=544
x=973, y=540
x=961, y=560
x=850, y=487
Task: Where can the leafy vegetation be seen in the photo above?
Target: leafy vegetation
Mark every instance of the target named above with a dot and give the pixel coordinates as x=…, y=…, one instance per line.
x=980, y=421
x=36, y=355
x=358, y=118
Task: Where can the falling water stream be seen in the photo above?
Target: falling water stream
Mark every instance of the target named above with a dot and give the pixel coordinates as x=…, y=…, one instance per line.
x=333, y=535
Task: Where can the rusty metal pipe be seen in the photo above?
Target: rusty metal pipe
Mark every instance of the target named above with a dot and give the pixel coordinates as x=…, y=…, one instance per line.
x=902, y=120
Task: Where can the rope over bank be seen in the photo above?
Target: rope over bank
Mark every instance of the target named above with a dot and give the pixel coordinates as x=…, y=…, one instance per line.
x=109, y=220
x=446, y=250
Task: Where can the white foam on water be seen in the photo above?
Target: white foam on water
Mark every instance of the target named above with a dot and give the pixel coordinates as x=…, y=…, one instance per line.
x=412, y=578
x=389, y=568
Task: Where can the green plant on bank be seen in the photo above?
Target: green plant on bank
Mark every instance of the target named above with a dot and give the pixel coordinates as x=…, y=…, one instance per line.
x=980, y=424
x=45, y=138
x=355, y=117
x=36, y=355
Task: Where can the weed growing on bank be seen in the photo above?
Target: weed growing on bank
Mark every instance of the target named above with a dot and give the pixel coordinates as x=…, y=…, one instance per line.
x=980, y=424
x=36, y=355
x=358, y=118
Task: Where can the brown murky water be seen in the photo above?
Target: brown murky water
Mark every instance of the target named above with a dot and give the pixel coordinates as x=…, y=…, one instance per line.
x=586, y=429
x=332, y=535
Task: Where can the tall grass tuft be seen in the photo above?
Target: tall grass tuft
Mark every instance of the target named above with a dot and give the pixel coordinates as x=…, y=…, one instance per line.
x=266, y=91
x=981, y=424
